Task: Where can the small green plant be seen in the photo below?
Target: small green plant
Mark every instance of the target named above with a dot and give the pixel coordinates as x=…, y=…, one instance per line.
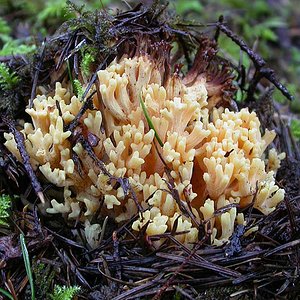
x=27, y=265
x=78, y=88
x=8, y=79
x=76, y=85
x=64, y=293
x=5, y=202
x=87, y=59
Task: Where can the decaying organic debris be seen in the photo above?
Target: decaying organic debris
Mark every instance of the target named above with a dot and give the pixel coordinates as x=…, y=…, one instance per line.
x=126, y=126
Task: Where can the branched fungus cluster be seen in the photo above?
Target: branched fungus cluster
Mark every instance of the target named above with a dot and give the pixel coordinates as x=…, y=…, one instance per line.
x=154, y=144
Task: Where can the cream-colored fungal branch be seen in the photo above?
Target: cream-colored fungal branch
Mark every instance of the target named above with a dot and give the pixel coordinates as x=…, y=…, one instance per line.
x=215, y=157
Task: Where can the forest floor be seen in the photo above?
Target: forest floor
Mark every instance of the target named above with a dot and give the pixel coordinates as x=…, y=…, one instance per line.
x=39, y=255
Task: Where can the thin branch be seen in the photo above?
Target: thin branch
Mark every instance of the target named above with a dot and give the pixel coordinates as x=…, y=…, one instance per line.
x=36, y=75
x=259, y=64
x=19, y=138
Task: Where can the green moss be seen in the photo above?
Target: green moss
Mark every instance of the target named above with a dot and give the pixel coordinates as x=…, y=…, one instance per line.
x=64, y=293
x=88, y=57
x=43, y=278
x=8, y=78
x=5, y=203
x=78, y=88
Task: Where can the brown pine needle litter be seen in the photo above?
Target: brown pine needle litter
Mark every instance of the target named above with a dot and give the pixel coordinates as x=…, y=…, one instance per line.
x=113, y=238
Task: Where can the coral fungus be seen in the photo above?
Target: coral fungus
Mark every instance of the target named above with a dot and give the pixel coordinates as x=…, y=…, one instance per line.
x=187, y=159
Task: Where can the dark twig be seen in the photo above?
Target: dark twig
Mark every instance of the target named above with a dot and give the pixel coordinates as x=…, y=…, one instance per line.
x=257, y=59
x=259, y=63
x=116, y=255
x=217, y=34
x=36, y=74
x=88, y=104
x=69, y=263
x=19, y=138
